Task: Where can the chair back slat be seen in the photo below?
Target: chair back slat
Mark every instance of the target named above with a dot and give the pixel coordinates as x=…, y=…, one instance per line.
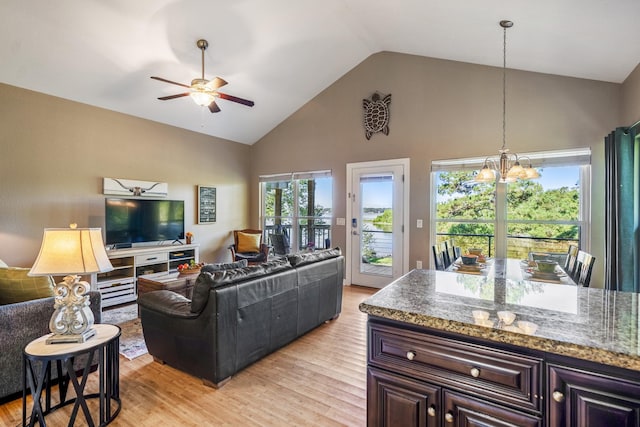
x=571, y=262
x=450, y=251
x=584, y=267
x=439, y=255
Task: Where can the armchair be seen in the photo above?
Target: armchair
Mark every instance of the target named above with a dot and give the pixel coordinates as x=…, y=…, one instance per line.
x=248, y=245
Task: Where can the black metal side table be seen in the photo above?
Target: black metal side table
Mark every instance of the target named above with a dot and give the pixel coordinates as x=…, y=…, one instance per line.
x=38, y=358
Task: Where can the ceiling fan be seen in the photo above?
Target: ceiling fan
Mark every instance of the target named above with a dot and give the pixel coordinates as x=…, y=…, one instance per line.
x=204, y=92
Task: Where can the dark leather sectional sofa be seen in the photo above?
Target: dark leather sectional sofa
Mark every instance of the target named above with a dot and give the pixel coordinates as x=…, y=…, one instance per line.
x=240, y=315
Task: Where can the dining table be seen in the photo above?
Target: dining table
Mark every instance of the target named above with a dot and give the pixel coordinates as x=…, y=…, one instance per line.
x=512, y=269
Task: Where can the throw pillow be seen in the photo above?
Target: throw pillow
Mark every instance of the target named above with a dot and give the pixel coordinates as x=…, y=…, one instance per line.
x=17, y=286
x=248, y=242
x=3, y=264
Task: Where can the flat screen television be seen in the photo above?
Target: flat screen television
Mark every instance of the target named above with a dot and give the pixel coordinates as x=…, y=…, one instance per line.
x=131, y=221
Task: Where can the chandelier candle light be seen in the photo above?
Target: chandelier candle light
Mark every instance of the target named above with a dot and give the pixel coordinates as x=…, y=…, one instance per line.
x=71, y=251
x=507, y=165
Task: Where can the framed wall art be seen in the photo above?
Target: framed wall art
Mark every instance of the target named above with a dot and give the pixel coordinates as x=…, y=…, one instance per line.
x=206, y=204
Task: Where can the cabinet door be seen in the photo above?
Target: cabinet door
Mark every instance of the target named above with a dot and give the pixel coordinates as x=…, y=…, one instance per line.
x=394, y=400
x=460, y=410
x=581, y=398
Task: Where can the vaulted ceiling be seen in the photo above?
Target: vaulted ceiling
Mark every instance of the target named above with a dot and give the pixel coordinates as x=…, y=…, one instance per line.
x=282, y=53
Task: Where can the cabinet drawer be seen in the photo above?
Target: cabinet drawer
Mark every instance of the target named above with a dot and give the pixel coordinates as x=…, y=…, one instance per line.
x=505, y=377
x=461, y=410
x=152, y=258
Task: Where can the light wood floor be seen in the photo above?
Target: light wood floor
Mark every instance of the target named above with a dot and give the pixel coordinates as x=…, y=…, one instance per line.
x=318, y=380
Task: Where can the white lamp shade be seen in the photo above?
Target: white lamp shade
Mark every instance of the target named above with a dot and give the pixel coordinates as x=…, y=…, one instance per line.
x=71, y=251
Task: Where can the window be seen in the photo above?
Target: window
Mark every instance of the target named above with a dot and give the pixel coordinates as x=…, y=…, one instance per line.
x=512, y=220
x=298, y=205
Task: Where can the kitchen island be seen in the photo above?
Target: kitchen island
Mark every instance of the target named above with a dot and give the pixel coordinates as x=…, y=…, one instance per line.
x=430, y=362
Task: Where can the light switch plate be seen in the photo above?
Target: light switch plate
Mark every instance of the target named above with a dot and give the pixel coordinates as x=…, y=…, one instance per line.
x=419, y=223
x=340, y=221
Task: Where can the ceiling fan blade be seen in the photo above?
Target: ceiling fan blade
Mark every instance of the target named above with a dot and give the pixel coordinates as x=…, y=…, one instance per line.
x=235, y=99
x=213, y=107
x=180, y=95
x=216, y=83
x=169, y=81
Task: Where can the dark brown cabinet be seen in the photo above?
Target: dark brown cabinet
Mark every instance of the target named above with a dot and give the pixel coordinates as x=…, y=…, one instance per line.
x=416, y=379
x=590, y=399
x=400, y=401
x=420, y=377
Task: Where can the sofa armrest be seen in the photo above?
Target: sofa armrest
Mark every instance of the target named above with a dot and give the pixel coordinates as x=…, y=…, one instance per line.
x=168, y=303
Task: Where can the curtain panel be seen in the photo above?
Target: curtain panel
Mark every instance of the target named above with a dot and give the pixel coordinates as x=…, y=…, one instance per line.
x=622, y=210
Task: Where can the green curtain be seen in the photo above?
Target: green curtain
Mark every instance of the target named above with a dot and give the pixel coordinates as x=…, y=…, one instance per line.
x=622, y=210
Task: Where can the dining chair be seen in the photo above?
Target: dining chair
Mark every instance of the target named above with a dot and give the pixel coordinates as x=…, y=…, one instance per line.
x=439, y=257
x=571, y=261
x=450, y=251
x=584, y=267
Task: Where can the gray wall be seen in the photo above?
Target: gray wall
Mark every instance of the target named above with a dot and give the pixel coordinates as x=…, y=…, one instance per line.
x=54, y=154
x=440, y=109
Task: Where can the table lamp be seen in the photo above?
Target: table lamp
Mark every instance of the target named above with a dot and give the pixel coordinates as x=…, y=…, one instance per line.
x=71, y=251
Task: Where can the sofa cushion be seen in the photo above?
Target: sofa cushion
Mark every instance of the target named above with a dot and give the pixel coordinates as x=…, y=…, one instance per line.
x=248, y=242
x=17, y=286
x=207, y=280
x=304, y=258
x=224, y=266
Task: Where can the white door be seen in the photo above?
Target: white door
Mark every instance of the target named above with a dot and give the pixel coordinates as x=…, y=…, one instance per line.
x=376, y=214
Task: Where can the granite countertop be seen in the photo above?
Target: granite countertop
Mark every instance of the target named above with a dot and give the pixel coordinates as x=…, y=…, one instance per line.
x=584, y=323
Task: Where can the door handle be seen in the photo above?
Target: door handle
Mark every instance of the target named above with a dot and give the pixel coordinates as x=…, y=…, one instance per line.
x=355, y=233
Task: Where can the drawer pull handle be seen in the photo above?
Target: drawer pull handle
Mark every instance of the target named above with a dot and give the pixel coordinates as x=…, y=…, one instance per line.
x=431, y=411
x=448, y=417
x=152, y=258
x=411, y=355
x=475, y=372
x=558, y=396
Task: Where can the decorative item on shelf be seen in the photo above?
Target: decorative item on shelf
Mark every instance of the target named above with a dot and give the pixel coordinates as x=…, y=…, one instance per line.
x=190, y=268
x=376, y=114
x=189, y=237
x=507, y=165
x=71, y=251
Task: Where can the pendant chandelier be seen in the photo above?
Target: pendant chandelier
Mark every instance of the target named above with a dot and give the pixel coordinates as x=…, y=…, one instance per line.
x=507, y=165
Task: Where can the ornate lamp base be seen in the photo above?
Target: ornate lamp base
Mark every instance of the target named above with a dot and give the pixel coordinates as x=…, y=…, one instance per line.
x=71, y=338
x=72, y=320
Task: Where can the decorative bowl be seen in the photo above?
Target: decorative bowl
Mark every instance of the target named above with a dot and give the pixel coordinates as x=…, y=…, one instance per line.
x=546, y=266
x=480, y=314
x=528, y=328
x=507, y=317
x=188, y=271
x=469, y=259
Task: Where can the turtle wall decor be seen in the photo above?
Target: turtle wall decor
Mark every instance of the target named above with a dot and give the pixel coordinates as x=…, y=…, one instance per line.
x=376, y=114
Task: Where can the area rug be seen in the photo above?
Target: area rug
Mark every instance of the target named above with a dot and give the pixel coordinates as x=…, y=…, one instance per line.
x=132, y=343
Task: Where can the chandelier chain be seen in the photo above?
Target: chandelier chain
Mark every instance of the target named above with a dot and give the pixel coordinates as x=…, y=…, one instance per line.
x=504, y=88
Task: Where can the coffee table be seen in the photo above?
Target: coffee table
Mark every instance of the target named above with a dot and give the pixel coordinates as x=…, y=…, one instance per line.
x=180, y=284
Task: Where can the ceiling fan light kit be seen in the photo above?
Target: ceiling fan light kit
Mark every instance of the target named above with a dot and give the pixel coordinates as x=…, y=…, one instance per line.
x=507, y=165
x=204, y=92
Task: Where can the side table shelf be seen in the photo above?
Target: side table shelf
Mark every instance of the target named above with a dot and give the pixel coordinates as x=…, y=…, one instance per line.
x=119, y=286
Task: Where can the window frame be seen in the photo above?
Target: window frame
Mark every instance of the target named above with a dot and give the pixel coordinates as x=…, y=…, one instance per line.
x=571, y=157
x=295, y=219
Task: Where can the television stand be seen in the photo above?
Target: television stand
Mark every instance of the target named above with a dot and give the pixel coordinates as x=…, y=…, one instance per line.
x=119, y=286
